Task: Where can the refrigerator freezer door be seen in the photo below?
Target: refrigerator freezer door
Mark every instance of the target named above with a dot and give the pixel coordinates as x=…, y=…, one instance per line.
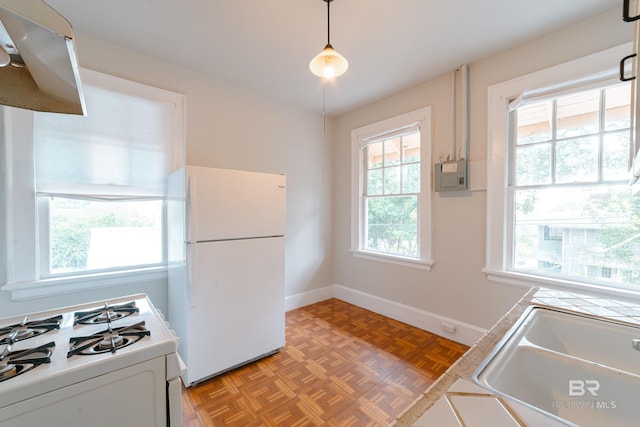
x=239, y=310
x=230, y=204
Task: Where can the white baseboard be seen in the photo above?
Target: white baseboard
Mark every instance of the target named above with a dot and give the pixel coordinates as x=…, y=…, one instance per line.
x=464, y=332
x=305, y=298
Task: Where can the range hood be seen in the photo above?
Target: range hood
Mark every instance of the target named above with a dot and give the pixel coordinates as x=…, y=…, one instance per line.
x=42, y=71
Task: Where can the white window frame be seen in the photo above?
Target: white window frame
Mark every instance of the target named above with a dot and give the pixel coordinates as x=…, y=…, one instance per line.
x=595, y=67
x=22, y=227
x=359, y=139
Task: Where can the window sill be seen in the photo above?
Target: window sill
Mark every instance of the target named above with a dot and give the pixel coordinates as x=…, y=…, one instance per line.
x=21, y=291
x=407, y=262
x=526, y=281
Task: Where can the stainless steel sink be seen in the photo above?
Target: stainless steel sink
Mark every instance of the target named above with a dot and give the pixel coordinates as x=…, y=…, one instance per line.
x=578, y=369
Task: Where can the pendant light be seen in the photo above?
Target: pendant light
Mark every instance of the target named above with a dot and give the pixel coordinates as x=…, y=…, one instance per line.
x=328, y=63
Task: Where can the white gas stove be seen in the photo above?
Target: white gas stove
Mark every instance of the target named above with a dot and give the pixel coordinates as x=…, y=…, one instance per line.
x=90, y=364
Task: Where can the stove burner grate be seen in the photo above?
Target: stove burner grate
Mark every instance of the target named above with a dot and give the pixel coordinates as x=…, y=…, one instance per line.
x=105, y=314
x=14, y=363
x=109, y=340
x=22, y=331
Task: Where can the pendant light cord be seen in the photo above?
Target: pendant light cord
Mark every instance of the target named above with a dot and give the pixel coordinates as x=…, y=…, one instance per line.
x=324, y=111
x=324, y=130
x=328, y=23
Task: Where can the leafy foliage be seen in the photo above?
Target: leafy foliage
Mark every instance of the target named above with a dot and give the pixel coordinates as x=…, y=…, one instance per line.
x=393, y=224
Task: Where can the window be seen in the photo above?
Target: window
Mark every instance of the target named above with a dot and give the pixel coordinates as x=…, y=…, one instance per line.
x=559, y=204
x=391, y=190
x=96, y=185
x=570, y=157
x=90, y=235
x=100, y=179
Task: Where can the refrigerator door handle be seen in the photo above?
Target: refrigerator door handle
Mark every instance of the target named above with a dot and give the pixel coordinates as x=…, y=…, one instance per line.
x=192, y=273
x=192, y=216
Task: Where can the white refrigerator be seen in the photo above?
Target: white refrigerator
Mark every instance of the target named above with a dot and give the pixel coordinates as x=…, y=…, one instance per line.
x=226, y=252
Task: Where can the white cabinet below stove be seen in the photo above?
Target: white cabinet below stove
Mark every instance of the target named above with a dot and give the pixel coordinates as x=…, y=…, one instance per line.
x=133, y=396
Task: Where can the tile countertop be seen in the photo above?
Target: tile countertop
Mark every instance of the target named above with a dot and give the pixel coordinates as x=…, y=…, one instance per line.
x=457, y=380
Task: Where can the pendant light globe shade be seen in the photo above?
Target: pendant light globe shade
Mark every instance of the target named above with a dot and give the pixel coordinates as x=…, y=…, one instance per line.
x=328, y=63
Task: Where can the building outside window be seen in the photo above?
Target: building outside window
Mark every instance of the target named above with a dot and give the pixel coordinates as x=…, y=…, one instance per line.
x=391, y=190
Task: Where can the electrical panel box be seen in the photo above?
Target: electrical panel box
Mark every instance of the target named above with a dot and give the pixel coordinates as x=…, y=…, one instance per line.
x=450, y=176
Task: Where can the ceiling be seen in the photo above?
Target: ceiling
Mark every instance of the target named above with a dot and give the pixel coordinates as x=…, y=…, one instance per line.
x=266, y=46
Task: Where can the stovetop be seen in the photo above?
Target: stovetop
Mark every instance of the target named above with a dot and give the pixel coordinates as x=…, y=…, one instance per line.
x=57, y=348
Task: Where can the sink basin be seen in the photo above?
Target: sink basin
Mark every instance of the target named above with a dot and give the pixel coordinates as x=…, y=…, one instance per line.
x=575, y=368
x=589, y=338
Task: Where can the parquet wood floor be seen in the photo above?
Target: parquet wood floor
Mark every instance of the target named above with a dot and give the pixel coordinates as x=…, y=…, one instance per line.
x=341, y=366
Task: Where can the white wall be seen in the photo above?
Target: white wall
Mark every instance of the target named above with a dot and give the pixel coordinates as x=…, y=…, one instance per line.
x=456, y=288
x=230, y=127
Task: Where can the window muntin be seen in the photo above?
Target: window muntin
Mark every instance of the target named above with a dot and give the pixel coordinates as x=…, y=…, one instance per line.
x=572, y=213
